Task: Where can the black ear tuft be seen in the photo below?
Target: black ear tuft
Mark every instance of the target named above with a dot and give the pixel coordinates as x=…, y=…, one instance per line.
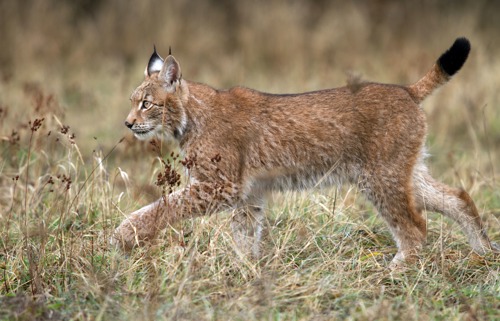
x=454, y=58
x=155, y=63
x=169, y=50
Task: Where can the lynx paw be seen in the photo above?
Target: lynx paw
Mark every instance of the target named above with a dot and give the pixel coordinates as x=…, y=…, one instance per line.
x=402, y=260
x=124, y=237
x=495, y=247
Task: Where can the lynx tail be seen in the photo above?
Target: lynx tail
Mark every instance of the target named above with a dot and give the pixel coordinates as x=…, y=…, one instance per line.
x=446, y=66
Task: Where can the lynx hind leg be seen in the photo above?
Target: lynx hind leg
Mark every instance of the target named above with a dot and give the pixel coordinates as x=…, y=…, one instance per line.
x=247, y=227
x=394, y=201
x=456, y=204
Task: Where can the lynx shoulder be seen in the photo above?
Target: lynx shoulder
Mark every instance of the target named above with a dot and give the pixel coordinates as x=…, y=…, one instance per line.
x=368, y=134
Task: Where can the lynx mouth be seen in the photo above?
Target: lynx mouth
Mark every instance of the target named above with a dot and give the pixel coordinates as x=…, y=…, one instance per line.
x=143, y=133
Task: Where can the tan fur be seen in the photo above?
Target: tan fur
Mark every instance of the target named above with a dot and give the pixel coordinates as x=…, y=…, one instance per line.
x=368, y=134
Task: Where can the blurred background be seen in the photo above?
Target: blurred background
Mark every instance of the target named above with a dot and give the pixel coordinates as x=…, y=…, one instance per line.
x=80, y=60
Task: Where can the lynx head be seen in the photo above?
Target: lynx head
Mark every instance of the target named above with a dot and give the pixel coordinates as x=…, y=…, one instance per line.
x=157, y=104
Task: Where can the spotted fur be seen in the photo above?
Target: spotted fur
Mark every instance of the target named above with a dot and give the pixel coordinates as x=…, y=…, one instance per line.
x=371, y=136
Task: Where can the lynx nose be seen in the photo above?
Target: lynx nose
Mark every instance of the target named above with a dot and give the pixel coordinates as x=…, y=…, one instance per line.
x=129, y=125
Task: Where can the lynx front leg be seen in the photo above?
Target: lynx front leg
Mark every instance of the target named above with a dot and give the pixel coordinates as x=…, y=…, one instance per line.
x=141, y=226
x=195, y=200
x=247, y=227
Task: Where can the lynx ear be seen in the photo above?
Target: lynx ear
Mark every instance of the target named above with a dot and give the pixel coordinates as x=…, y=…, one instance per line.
x=155, y=64
x=170, y=72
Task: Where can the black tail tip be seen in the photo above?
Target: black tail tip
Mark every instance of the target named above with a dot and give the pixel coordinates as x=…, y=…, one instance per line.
x=454, y=58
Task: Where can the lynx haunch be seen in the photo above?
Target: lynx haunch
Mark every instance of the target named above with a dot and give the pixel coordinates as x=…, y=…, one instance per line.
x=367, y=134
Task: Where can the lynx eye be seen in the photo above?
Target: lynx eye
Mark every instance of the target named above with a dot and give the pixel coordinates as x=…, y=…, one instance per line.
x=146, y=104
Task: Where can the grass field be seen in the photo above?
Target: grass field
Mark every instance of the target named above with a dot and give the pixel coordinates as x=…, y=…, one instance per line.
x=70, y=172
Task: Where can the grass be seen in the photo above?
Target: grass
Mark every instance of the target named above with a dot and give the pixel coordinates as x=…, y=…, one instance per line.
x=68, y=180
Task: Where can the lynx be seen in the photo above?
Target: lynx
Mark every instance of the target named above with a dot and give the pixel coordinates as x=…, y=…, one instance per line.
x=243, y=144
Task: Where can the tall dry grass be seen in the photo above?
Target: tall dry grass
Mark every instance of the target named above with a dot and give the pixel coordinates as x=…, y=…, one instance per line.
x=67, y=178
